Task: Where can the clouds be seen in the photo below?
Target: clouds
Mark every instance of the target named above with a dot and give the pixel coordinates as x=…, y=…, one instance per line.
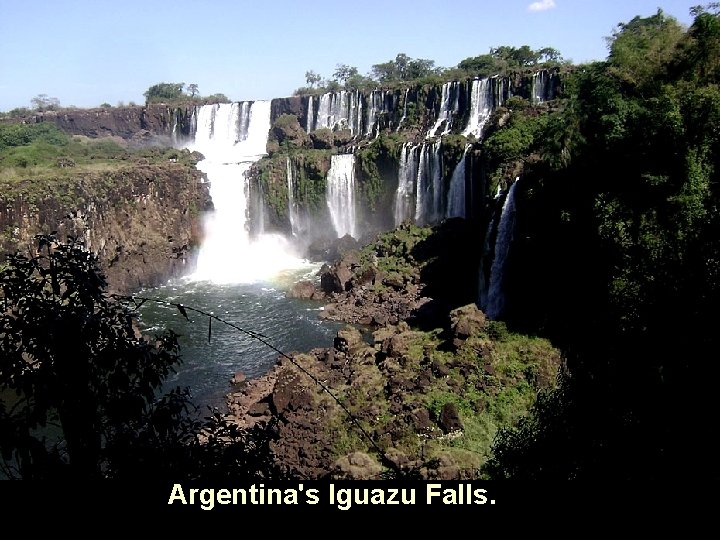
x=541, y=5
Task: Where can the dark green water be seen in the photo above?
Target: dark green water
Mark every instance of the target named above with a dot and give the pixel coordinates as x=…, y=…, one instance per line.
x=289, y=324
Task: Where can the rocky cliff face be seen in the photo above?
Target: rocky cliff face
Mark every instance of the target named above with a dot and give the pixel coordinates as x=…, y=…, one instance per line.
x=137, y=123
x=142, y=220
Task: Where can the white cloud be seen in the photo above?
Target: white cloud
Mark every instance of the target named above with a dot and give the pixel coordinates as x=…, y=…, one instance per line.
x=541, y=5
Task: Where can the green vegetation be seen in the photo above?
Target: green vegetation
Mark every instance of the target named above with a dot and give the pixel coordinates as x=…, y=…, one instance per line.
x=619, y=195
x=172, y=93
x=81, y=391
x=384, y=149
x=404, y=71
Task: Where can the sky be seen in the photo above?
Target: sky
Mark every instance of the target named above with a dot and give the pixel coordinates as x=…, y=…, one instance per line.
x=87, y=52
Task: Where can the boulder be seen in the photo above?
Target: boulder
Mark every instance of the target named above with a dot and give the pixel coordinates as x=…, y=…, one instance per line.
x=356, y=466
x=302, y=289
x=449, y=419
x=467, y=321
x=238, y=378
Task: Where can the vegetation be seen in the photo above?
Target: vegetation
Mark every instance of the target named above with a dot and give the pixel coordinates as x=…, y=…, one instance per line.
x=82, y=393
x=404, y=71
x=619, y=194
x=173, y=94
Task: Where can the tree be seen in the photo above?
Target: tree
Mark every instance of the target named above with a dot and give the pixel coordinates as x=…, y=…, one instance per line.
x=403, y=68
x=192, y=89
x=74, y=360
x=43, y=102
x=343, y=72
x=312, y=78
x=164, y=92
x=641, y=47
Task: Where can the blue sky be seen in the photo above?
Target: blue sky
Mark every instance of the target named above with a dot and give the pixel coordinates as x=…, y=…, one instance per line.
x=87, y=52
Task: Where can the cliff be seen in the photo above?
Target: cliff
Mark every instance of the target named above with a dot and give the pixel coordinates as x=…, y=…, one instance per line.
x=156, y=121
x=141, y=219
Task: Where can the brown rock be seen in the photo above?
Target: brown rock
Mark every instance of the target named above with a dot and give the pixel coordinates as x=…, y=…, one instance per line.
x=449, y=419
x=302, y=289
x=238, y=378
x=467, y=321
x=356, y=466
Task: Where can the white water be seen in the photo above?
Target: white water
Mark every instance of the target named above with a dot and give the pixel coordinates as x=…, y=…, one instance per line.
x=342, y=110
x=309, y=117
x=293, y=212
x=449, y=105
x=404, y=115
x=456, y=194
x=481, y=106
x=232, y=137
x=496, y=290
x=407, y=175
x=340, y=194
x=428, y=186
x=542, y=90
x=376, y=105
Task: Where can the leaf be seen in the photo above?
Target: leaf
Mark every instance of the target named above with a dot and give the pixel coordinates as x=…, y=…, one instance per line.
x=182, y=311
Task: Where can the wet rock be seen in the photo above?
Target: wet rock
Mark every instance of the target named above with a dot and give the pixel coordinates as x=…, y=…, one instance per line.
x=238, y=378
x=302, y=289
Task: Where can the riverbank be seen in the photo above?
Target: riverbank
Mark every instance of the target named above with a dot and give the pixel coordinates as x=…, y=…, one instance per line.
x=431, y=389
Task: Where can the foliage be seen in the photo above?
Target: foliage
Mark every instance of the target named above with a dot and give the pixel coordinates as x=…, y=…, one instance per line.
x=164, y=93
x=619, y=191
x=641, y=48
x=502, y=59
x=76, y=362
x=403, y=68
x=43, y=102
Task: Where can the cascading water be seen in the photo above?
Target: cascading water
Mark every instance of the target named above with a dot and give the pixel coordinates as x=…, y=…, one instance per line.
x=428, y=186
x=337, y=110
x=542, y=87
x=241, y=280
x=376, y=106
x=404, y=114
x=496, y=290
x=340, y=194
x=309, y=116
x=456, y=194
x=232, y=137
x=293, y=211
x=481, y=106
x=449, y=106
x=407, y=175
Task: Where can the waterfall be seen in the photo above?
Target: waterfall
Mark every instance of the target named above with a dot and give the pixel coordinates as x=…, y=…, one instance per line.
x=404, y=114
x=496, y=290
x=309, y=115
x=449, y=105
x=428, y=186
x=542, y=87
x=456, y=194
x=407, y=175
x=232, y=137
x=376, y=106
x=342, y=110
x=481, y=106
x=293, y=214
x=340, y=194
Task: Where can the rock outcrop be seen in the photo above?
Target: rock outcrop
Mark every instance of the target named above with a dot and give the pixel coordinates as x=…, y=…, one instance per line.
x=142, y=220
